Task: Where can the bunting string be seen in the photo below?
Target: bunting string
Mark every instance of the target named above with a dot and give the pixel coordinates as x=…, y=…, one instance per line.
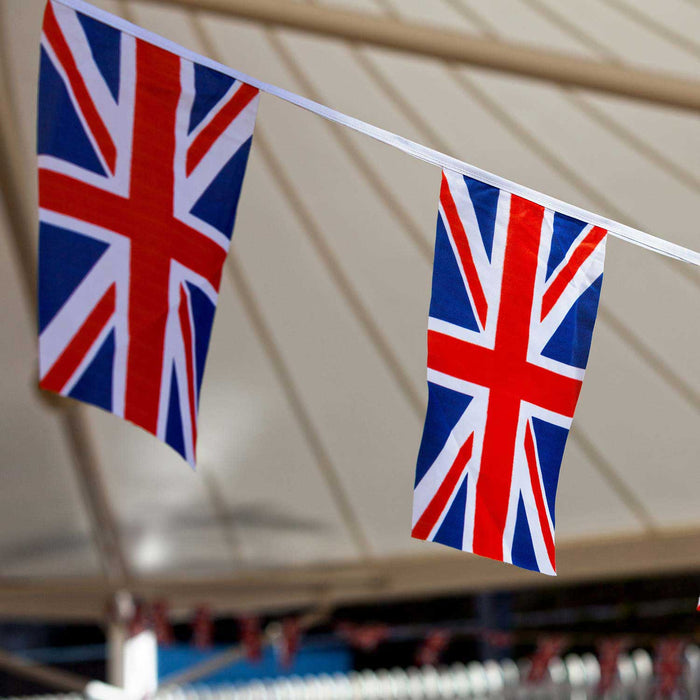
x=412, y=148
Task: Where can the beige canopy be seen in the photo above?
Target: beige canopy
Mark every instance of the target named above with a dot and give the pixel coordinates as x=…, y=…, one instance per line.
x=315, y=392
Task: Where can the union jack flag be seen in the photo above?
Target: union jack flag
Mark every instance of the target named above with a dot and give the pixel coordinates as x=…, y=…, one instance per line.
x=141, y=162
x=514, y=299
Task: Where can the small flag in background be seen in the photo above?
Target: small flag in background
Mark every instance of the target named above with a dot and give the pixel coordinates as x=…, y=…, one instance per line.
x=251, y=638
x=514, y=300
x=203, y=628
x=433, y=647
x=668, y=664
x=141, y=162
x=365, y=637
x=609, y=651
x=162, y=626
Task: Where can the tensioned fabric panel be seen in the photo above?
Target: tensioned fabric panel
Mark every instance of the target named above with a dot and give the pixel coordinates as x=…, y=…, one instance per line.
x=45, y=530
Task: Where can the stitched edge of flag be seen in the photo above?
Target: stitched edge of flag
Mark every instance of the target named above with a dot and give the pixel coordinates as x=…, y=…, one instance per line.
x=417, y=150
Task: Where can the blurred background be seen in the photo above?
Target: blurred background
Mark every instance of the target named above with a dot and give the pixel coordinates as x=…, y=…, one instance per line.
x=288, y=552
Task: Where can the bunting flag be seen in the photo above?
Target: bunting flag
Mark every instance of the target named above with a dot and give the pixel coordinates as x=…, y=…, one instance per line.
x=365, y=637
x=141, y=161
x=433, y=647
x=547, y=648
x=668, y=665
x=203, y=628
x=162, y=626
x=251, y=638
x=139, y=620
x=609, y=651
x=289, y=642
x=514, y=300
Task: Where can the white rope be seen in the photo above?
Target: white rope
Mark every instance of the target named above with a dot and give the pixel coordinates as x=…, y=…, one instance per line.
x=429, y=155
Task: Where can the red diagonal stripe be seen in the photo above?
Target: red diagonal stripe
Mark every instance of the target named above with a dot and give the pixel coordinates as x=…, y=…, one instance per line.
x=205, y=140
x=580, y=255
x=66, y=195
x=465, y=254
x=187, y=342
x=53, y=33
x=431, y=514
x=537, y=490
x=69, y=360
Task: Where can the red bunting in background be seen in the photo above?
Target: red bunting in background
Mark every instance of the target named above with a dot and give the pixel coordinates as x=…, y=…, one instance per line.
x=161, y=623
x=251, y=638
x=289, y=642
x=363, y=637
x=137, y=205
x=668, y=664
x=498, y=638
x=547, y=648
x=139, y=620
x=609, y=651
x=203, y=628
x=433, y=647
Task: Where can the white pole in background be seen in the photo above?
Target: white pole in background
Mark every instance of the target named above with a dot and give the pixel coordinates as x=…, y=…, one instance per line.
x=132, y=655
x=140, y=665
